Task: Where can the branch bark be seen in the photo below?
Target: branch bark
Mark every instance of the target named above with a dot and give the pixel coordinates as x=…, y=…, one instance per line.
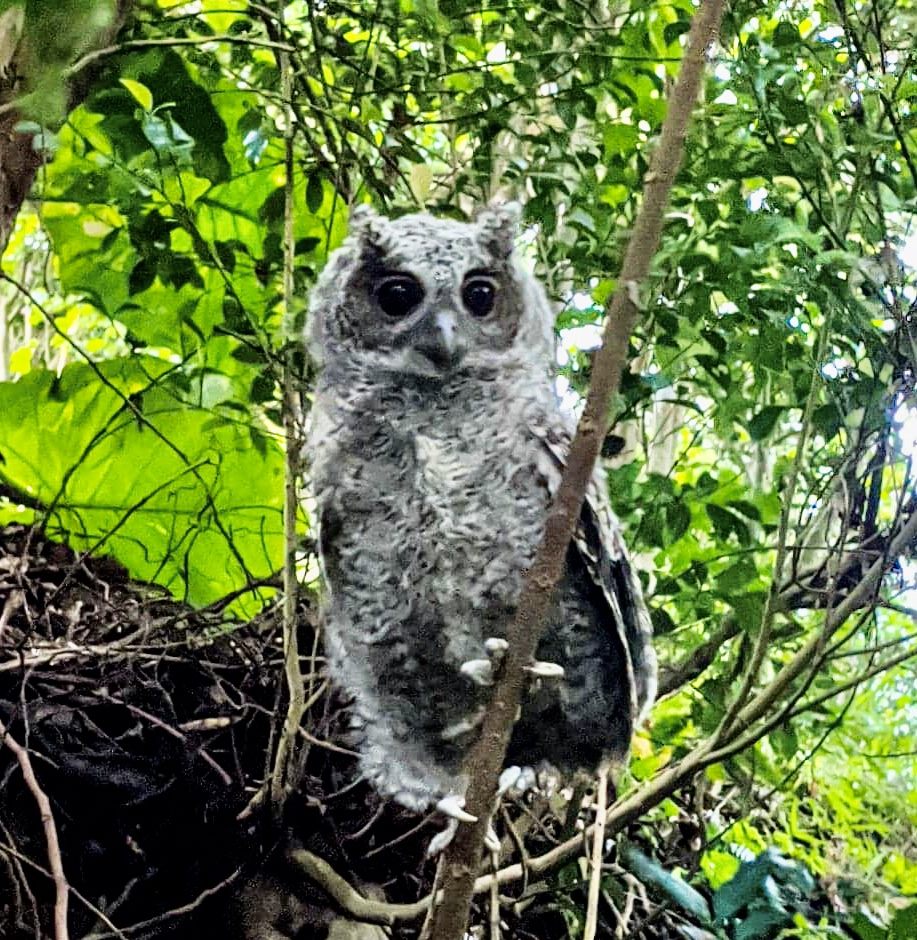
x=460, y=862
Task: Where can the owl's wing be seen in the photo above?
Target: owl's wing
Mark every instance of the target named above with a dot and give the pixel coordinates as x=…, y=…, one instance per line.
x=599, y=543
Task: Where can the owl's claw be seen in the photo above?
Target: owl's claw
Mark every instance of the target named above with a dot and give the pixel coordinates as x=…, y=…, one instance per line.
x=492, y=840
x=544, y=670
x=508, y=779
x=516, y=779
x=453, y=806
x=442, y=839
x=462, y=727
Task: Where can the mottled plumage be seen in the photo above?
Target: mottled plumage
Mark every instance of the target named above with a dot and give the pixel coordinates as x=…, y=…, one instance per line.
x=436, y=443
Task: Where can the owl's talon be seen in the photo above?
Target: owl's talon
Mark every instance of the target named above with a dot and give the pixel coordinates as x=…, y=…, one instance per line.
x=528, y=780
x=479, y=671
x=544, y=670
x=459, y=728
x=508, y=779
x=442, y=839
x=516, y=780
x=454, y=807
x=492, y=840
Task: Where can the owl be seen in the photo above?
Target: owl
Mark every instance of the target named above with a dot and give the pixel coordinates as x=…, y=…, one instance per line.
x=437, y=441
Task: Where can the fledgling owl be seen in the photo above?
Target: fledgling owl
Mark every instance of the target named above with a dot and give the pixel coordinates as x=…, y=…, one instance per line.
x=437, y=442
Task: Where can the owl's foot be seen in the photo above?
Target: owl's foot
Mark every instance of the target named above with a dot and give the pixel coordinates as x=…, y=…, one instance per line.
x=516, y=781
x=482, y=671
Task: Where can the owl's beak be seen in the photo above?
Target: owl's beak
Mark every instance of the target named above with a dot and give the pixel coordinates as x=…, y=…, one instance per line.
x=439, y=341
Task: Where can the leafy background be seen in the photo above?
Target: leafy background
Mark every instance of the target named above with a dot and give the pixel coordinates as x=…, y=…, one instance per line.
x=772, y=386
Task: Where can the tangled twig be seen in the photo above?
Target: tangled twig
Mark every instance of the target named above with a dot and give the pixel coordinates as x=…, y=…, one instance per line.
x=55, y=862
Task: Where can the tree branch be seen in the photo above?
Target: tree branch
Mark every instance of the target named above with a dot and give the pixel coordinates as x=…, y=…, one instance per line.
x=460, y=862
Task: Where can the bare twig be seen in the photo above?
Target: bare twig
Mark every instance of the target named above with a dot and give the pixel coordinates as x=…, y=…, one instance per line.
x=460, y=861
x=598, y=854
x=170, y=914
x=55, y=862
x=7, y=849
x=13, y=602
x=286, y=764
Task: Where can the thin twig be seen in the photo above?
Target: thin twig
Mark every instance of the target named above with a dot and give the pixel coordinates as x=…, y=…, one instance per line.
x=598, y=854
x=7, y=849
x=287, y=761
x=170, y=914
x=495, y=900
x=55, y=862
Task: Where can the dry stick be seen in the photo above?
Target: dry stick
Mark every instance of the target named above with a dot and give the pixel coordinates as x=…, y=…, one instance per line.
x=55, y=862
x=460, y=861
x=283, y=778
x=495, y=900
x=598, y=854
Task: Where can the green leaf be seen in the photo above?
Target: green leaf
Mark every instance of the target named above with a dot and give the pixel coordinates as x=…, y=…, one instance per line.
x=726, y=523
x=904, y=926
x=673, y=30
x=662, y=621
x=763, y=423
x=677, y=520
x=315, y=193
x=140, y=93
x=765, y=884
x=178, y=494
x=786, y=34
x=867, y=929
x=670, y=886
x=736, y=576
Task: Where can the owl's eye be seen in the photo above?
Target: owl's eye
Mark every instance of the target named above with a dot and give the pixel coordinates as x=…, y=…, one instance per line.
x=399, y=295
x=479, y=295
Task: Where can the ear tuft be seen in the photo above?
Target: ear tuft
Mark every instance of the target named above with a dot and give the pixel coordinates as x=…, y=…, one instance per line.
x=362, y=218
x=497, y=225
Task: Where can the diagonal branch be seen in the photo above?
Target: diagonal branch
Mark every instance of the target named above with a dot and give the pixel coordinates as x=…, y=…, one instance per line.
x=460, y=862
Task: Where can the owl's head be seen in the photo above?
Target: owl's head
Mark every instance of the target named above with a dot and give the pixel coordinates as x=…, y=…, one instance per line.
x=421, y=296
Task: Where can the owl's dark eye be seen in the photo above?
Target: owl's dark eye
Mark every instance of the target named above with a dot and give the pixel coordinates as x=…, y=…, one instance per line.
x=479, y=295
x=398, y=295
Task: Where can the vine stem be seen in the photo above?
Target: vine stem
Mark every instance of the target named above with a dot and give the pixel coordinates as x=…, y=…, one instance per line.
x=460, y=861
x=286, y=771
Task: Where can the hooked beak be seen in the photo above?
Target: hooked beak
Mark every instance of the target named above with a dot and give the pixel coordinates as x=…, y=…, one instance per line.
x=440, y=343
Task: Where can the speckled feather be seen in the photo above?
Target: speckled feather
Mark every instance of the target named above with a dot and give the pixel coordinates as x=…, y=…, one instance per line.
x=432, y=485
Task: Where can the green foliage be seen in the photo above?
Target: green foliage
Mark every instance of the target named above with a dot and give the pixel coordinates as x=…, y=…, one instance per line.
x=179, y=494
x=755, y=904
